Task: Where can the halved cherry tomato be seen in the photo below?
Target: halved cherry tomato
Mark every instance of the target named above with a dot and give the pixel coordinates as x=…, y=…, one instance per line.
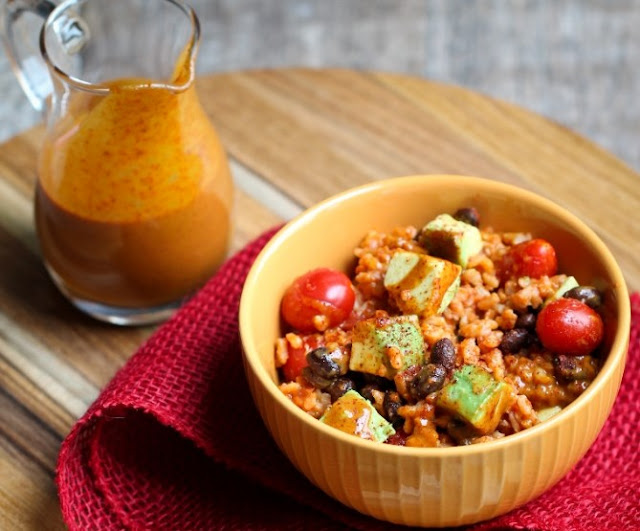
x=533, y=258
x=297, y=359
x=320, y=292
x=569, y=326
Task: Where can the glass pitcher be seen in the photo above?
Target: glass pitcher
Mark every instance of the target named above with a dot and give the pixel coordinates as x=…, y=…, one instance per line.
x=133, y=196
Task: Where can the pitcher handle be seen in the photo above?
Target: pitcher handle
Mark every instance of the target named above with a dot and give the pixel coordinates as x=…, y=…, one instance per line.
x=25, y=59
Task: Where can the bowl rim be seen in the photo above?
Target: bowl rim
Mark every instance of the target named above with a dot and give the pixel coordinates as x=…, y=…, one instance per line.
x=617, y=352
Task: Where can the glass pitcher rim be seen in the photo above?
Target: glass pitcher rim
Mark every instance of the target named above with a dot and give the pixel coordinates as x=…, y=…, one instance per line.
x=104, y=87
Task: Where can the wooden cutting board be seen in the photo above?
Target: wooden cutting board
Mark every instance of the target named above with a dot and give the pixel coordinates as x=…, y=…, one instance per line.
x=295, y=136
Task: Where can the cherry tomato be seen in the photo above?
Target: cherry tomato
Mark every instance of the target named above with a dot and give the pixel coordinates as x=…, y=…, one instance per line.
x=533, y=258
x=297, y=359
x=320, y=292
x=569, y=326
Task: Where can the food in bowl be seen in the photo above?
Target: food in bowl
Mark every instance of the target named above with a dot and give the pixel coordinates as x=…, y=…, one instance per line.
x=451, y=334
x=429, y=487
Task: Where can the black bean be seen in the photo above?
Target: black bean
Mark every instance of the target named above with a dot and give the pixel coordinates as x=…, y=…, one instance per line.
x=315, y=379
x=390, y=405
x=367, y=392
x=468, y=215
x=587, y=294
x=575, y=367
x=514, y=340
x=321, y=363
x=526, y=321
x=340, y=386
x=429, y=380
x=379, y=382
x=444, y=353
x=403, y=380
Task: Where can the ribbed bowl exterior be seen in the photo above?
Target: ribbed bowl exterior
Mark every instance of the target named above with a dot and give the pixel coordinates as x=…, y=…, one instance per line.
x=434, y=490
x=431, y=487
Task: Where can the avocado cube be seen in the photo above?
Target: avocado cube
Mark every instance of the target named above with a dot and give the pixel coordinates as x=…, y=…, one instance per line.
x=548, y=412
x=355, y=415
x=451, y=239
x=421, y=284
x=476, y=397
x=569, y=283
x=384, y=346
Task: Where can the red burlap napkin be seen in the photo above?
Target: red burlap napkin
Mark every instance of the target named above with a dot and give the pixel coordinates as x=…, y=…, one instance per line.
x=174, y=442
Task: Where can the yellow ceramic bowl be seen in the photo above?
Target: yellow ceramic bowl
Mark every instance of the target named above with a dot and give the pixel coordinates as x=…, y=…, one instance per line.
x=428, y=486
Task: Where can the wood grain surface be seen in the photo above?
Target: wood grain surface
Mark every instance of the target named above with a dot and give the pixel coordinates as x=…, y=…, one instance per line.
x=575, y=61
x=295, y=136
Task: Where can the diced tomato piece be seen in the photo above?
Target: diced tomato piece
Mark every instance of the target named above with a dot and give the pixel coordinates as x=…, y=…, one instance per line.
x=297, y=359
x=399, y=438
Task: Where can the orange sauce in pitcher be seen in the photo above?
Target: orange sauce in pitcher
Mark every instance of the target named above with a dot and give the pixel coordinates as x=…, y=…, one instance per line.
x=134, y=195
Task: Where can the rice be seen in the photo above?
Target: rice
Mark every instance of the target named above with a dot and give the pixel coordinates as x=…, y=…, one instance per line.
x=476, y=321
